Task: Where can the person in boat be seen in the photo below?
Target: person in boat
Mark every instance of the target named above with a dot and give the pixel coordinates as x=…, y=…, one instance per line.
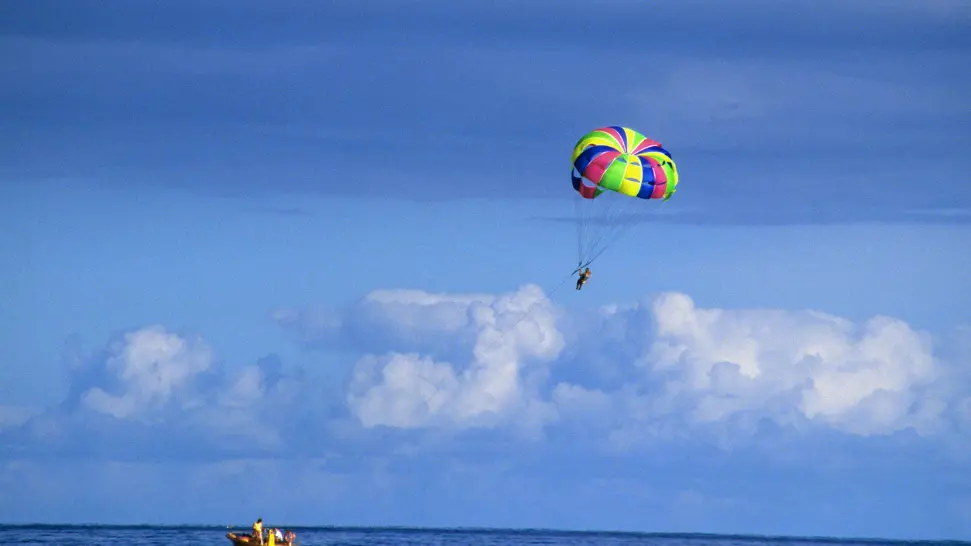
x=584, y=276
x=258, y=530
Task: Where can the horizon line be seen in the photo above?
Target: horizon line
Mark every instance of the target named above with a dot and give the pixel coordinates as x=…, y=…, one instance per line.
x=509, y=530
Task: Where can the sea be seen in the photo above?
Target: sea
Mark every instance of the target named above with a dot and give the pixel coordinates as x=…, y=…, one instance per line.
x=92, y=535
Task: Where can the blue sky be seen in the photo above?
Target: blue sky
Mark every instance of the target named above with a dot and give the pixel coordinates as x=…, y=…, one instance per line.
x=249, y=243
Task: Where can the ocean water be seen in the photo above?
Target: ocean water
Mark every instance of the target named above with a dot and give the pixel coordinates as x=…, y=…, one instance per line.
x=167, y=536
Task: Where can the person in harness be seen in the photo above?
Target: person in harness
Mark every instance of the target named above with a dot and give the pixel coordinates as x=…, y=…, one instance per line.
x=584, y=276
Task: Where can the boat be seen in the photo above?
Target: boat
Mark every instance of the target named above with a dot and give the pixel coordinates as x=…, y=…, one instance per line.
x=240, y=540
x=249, y=540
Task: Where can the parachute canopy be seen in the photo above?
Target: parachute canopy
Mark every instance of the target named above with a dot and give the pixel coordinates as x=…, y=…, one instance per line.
x=614, y=167
x=624, y=161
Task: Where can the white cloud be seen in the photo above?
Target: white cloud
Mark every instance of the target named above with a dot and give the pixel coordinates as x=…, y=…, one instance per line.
x=515, y=340
x=682, y=365
x=618, y=376
x=152, y=367
x=864, y=379
x=157, y=391
x=151, y=370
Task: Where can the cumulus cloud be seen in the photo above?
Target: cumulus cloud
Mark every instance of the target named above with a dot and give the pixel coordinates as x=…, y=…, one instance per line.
x=958, y=379
x=868, y=378
x=163, y=392
x=423, y=366
x=515, y=339
x=633, y=371
x=152, y=368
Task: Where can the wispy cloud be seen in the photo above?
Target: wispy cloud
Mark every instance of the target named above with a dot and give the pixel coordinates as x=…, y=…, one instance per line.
x=49, y=56
x=770, y=123
x=282, y=211
x=12, y=416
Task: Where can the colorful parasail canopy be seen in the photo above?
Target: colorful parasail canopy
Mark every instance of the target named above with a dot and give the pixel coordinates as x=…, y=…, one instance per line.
x=622, y=160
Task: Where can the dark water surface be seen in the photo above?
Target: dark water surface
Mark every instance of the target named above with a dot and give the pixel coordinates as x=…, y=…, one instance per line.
x=330, y=536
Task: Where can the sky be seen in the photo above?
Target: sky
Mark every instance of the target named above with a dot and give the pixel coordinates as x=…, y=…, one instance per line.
x=325, y=248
